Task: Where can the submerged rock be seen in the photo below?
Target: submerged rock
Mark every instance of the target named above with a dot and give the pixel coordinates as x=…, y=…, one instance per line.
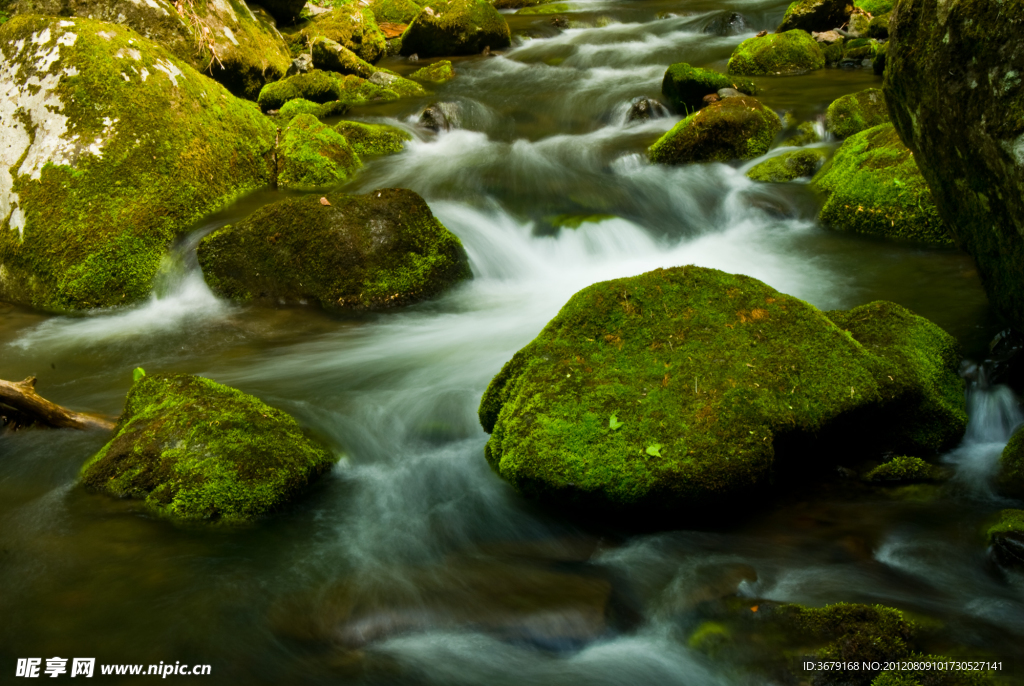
x=684, y=87
x=874, y=186
x=350, y=26
x=456, y=27
x=195, y=450
x=313, y=155
x=111, y=147
x=688, y=388
x=955, y=88
x=777, y=54
x=788, y=166
x=373, y=139
x=730, y=129
x=323, y=87
x=441, y=116
x=856, y=112
x=438, y=72
x=644, y=109
x=344, y=252
x=1006, y=539
x=727, y=24
x=816, y=15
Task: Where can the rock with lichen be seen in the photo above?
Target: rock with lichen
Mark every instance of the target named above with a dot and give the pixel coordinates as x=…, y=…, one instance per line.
x=111, y=149
x=737, y=128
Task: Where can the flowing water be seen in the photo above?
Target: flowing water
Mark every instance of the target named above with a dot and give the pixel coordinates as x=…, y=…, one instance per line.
x=412, y=563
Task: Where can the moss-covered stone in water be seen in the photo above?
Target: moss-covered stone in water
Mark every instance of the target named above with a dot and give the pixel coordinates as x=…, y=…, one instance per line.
x=331, y=56
x=456, y=27
x=438, y=72
x=373, y=139
x=833, y=54
x=788, y=166
x=313, y=155
x=777, y=54
x=373, y=251
x=114, y=148
x=1006, y=538
x=816, y=15
x=350, y=26
x=729, y=381
x=806, y=133
x=856, y=112
x=395, y=11
x=294, y=108
x=859, y=49
x=873, y=186
x=1010, y=477
x=195, y=450
x=904, y=469
x=339, y=91
x=685, y=87
x=738, y=128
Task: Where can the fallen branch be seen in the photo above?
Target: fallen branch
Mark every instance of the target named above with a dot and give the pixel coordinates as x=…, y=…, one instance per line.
x=30, y=407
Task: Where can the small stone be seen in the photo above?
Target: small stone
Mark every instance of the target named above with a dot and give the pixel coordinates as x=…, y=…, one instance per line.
x=415, y=57
x=826, y=37
x=300, y=65
x=761, y=34
x=728, y=93
x=710, y=98
x=380, y=78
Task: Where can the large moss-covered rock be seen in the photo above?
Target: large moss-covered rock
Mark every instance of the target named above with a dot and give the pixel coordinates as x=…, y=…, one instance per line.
x=352, y=252
x=737, y=128
x=816, y=15
x=788, y=166
x=195, y=450
x=438, y=72
x=228, y=40
x=685, y=87
x=373, y=139
x=395, y=11
x=855, y=112
x=689, y=387
x=1006, y=538
x=777, y=54
x=329, y=55
x=110, y=148
x=343, y=91
x=1010, y=476
x=456, y=27
x=313, y=155
x=955, y=88
x=350, y=26
x=873, y=186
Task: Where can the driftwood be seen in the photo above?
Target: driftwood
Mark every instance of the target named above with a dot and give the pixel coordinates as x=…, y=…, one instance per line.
x=29, y=407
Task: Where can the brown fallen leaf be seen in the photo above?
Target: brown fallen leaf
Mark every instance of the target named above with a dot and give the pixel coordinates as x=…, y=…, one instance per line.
x=324, y=201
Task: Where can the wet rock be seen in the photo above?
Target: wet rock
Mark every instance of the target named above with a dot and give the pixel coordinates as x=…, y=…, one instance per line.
x=456, y=27
x=873, y=186
x=856, y=112
x=727, y=24
x=806, y=133
x=351, y=26
x=301, y=65
x=313, y=155
x=343, y=91
x=560, y=22
x=614, y=411
x=777, y=54
x=684, y=87
x=1006, y=539
x=438, y=72
x=815, y=15
x=195, y=450
x=373, y=139
x=738, y=128
x=441, y=116
x=357, y=252
x=788, y=166
x=643, y=109
x=1010, y=474
x=88, y=211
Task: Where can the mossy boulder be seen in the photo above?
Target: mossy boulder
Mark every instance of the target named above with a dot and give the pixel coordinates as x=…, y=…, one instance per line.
x=856, y=112
x=688, y=388
x=294, y=108
x=195, y=450
x=345, y=252
x=112, y=148
x=684, y=87
x=816, y=15
x=351, y=26
x=876, y=7
x=1006, y=538
x=873, y=186
x=373, y=139
x=904, y=469
x=438, y=72
x=777, y=54
x=1010, y=476
x=805, y=134
x=738, y=128
x=456, y=27
x=879, y=27
x=313, y=155
x=341, y=91
x=395, y=11
x=954, y=82
x=788, y=166
x=859, y=49
x=329, y=55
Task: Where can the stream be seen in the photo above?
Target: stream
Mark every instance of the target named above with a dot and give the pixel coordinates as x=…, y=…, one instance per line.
x=412, y=562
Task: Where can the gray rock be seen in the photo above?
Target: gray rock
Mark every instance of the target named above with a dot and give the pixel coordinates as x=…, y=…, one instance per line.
x=440, y=116
x=301, y=65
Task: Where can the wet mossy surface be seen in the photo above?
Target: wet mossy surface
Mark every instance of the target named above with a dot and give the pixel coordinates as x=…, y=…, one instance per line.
x=737, y=128
x=1010, y=476
x=816, y=15
x=340, y=91
x=904, y=469
x=194, y=450
x=873, y=186
x=329, y=55
x=354, y=27
x=876, y=7
x=456, y=27
x=788, y=166
x=1006, y=539
x=395, y=11
x=777, y=54
x=314, y=155
x=689, y=387
x=373, y=139
x=89, y=229
x=805, y=134
x=438, y=72
x=360, y=252
x=684, y=87
x=856, y=112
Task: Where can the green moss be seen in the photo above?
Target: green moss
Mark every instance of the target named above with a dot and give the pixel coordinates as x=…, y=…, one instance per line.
x=456, y=27
x=294, y=108
x=873, y=186
x=350, y=26
x=738, y=128
x=853, y=633
x=904, y=469
x=372, y=251
x=97, y=225
x=195, y=450
x=876, y=7
x=878, y=63
x=792, y=52
x=856, y=112
x=879, y=27
x=788, y=166
x=1009, y=521
x=806, y=134
x=933, y=676
x=858, y=24
x=833, y=54
x=860, y=49
x=709, y=638
x=719, y=370
x=684, y=87
x=395, y=11
x=373, y=139
x=313, y=155
x=438, y=72
x=331, y=56
x=815, y=15
x=340, y=91
x=1010, y=477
